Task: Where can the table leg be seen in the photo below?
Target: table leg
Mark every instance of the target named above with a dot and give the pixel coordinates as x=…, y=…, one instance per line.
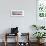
x=5, y=40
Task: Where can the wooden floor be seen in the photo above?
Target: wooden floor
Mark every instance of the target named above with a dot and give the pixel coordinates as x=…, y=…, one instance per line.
x=13, y=44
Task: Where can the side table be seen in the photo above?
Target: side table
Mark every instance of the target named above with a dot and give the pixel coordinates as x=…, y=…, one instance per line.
x=8, y=34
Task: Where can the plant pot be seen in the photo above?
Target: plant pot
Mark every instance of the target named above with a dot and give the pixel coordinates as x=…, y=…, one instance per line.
x=40, y=41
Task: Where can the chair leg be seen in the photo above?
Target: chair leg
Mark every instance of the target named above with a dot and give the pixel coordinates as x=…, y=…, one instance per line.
x=5, y=43
x=17, y=41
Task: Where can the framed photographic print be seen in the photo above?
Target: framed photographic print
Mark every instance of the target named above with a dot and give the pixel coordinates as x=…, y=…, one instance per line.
x=41, y=8
x=41, y=12
x=17, y=13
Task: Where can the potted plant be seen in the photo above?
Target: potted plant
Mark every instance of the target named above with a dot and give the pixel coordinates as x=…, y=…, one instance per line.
x=39, y=35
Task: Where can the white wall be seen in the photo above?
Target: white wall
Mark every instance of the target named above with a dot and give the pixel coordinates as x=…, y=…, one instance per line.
x=24, y=23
